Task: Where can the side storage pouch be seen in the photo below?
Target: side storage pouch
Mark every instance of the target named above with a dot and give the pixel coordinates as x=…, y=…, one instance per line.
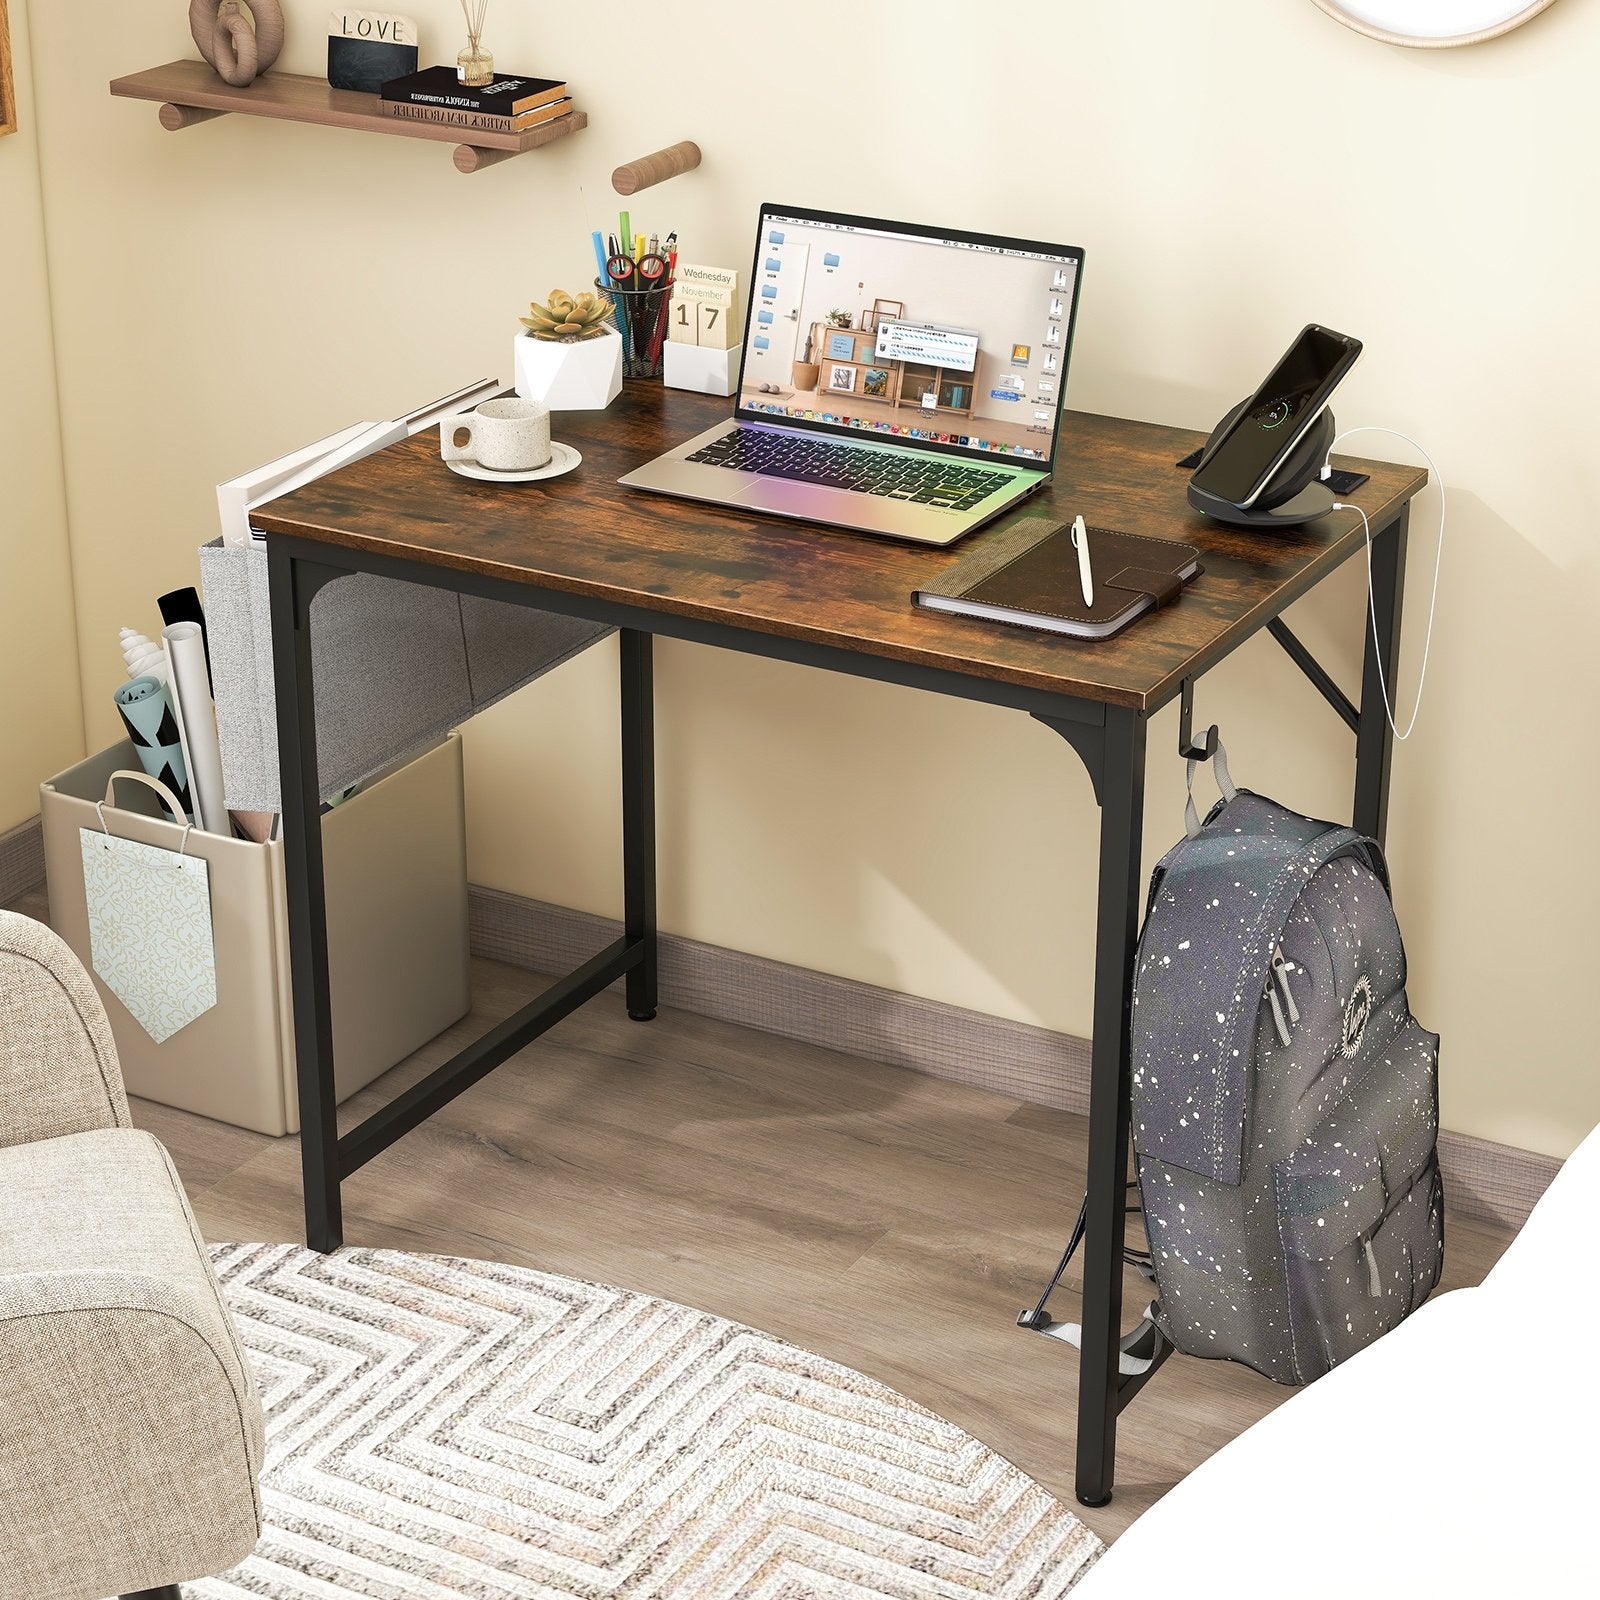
x=397, y=666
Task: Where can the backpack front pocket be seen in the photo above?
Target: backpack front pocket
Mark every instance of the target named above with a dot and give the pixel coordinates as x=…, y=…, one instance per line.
x=1358, y=1259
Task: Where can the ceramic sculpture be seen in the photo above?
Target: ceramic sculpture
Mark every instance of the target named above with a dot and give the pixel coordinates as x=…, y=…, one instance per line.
x=239, y=40
x=143, y=656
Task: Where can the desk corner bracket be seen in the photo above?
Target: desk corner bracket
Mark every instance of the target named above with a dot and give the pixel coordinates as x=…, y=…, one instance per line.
x=1088, y=739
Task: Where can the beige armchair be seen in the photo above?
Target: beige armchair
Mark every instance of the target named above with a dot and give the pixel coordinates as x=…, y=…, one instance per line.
x=130, y=1429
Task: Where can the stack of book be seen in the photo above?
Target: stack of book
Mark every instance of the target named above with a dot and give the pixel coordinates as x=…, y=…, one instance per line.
x=508, y=105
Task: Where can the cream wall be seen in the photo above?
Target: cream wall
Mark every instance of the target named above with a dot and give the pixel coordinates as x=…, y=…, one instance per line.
x=41, y=727
x=1232, y=171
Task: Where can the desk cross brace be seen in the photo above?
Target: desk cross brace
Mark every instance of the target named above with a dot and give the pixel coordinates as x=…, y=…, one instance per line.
x=620, y=959
x=1316, y=674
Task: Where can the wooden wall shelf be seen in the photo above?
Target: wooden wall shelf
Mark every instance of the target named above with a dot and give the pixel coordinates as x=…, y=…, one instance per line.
x=189, y=92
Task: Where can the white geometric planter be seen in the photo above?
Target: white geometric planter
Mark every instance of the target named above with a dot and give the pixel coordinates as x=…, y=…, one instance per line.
x=585, y=375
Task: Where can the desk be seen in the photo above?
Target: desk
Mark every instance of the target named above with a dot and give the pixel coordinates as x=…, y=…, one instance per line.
x=581, y=545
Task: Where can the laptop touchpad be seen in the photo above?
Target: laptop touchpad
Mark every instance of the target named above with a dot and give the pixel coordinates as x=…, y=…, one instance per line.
x=800, y=499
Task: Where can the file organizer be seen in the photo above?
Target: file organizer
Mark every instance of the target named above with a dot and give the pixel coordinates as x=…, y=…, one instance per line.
x=395, y=858
x=398, y=665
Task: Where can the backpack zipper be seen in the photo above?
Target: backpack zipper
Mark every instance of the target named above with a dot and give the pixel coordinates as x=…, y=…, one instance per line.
x=1280, y=969
x=1374, y=1282
x=1277, y=1014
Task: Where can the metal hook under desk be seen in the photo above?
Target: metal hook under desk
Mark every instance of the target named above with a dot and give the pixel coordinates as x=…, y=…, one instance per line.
x=1188, y=750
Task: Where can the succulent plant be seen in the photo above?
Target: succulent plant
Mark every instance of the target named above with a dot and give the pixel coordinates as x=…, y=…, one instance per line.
x=840, y=318
x=565, y=318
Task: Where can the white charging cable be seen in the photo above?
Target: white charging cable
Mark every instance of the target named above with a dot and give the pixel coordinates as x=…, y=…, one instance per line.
x=1372, y=604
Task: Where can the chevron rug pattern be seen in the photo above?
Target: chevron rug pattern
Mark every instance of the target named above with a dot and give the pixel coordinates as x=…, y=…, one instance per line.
x=441, y=1428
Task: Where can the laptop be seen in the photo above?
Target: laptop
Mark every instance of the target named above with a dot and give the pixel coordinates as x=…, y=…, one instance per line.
x=894, y=379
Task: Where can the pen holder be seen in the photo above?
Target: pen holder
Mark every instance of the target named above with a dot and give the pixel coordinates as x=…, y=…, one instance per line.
x=641, y=318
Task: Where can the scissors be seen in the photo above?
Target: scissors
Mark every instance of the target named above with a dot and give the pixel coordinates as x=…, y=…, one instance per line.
x=648, y=270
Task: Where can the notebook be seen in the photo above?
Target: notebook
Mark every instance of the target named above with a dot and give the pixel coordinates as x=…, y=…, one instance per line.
x=1027, y=574
x=897, y=379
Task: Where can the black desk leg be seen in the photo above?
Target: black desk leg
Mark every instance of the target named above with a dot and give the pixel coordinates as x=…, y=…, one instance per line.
x=1116, y=933
x=290, y=587
x=639, y=818
x=1374, y=737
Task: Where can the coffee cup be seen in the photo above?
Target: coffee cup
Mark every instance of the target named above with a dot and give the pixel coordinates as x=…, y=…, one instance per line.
x=502, y=435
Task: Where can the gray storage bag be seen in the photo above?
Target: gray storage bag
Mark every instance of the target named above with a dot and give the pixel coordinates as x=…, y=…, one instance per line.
x=1285, y=1101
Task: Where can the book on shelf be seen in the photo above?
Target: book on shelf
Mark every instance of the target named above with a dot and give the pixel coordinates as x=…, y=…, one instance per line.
x=475, y=121
x=1027, y=574
x=504, y=97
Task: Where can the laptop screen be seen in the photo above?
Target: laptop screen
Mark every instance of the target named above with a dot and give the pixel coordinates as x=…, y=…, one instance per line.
x=912, y=334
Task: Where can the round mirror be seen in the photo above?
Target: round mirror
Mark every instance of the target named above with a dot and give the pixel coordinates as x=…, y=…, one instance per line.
x=1432, y=22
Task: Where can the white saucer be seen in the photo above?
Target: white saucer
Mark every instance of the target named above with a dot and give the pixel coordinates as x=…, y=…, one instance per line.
x=563, y=458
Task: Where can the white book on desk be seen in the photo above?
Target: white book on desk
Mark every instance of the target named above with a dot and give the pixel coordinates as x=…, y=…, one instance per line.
x=367, y=438
x=238, y=497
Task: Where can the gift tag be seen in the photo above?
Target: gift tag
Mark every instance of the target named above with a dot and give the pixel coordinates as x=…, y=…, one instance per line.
x=150, y=938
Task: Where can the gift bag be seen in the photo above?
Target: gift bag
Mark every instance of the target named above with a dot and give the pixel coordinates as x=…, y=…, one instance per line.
x=150, y=933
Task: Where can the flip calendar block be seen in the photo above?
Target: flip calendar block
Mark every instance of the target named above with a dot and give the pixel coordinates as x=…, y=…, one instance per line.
x=707, y=308
x=683, y=326
x=722, y=282
x=716, y=327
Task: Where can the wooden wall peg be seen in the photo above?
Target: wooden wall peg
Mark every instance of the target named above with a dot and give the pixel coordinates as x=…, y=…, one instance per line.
x=656, y=167
x=173, y=118
x=475, y=157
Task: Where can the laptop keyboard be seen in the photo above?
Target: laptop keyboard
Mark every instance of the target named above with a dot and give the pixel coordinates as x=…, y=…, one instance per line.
x=945, y=485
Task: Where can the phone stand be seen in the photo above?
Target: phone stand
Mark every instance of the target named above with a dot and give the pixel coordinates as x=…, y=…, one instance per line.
x=1294, y=494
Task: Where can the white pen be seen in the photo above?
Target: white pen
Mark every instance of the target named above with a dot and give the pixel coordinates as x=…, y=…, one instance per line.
x=1080, y=537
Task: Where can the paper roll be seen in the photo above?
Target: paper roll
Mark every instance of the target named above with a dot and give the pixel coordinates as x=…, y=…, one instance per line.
x=147, y=714
x=183, y=605
x=197, y=721
x=183, y=738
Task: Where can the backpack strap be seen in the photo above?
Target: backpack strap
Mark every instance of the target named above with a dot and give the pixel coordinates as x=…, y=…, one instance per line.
x=1219, y=770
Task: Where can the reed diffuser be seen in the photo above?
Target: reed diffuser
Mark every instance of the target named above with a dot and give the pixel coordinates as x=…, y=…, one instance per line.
x=475, y=66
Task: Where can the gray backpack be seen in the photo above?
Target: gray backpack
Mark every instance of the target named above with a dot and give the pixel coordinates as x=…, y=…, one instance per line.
x=1285, y=1101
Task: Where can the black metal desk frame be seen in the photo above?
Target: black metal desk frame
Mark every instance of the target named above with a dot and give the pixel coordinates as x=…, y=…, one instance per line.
x=1109, y=739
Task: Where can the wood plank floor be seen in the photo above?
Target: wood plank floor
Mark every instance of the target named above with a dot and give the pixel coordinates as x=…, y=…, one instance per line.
x=891, y=1221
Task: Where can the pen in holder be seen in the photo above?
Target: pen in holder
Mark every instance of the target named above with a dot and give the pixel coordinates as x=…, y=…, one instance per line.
x=639, y=308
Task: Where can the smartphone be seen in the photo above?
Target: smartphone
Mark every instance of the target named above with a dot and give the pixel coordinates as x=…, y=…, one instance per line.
x=1239, y=465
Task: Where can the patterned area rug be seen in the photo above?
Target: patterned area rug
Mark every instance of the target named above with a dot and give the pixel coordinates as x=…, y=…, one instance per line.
x=441, y=1428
